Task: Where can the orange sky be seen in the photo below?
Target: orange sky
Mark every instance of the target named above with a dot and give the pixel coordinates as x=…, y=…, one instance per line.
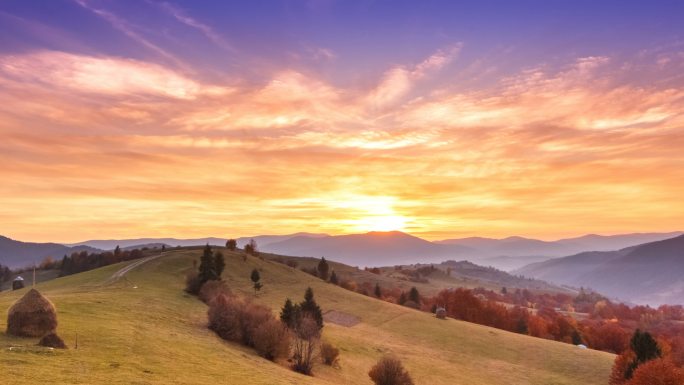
x=107, y=147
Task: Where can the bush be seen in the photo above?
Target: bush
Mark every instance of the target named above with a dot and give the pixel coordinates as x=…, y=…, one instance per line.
x=272, y=340
x=329, y=354
x=389, y=371
x=211, y=289
x=224, y=317
x=193, y=284
x=657, y=372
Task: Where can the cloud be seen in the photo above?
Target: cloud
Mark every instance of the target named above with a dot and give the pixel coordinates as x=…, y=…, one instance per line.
x=206, y=30
x=100, y=75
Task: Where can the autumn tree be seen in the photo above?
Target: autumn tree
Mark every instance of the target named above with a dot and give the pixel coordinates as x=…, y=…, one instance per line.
x=323, y=269
x=231, y=244
x=307, y=337
x=256, y=277
x=658, y=372
x=251, y=247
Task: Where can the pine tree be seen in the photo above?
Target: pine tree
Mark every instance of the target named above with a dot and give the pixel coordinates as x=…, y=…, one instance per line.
x=117, y=252
x=289, y=314
x=310, y=307
x=323, y=269
x=219, y=263
x=207, y=267
x=414, y=295
x=402, y=298
x=256, y=277
x=645, y=348
x=333, y=278
x=378, y=292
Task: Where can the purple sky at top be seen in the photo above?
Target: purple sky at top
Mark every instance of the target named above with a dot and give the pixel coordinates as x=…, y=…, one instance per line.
x=362, y=37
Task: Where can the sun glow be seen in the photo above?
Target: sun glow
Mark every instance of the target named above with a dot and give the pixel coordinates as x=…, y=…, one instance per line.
x=381, y=223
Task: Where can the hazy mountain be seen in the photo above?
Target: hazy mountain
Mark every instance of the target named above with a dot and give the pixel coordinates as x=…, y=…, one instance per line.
x=370, y=249
x=652, y=273
x=17, y=254
x=519, y=246
x=110, y=244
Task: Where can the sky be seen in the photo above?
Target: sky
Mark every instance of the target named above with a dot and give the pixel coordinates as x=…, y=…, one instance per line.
x=443, y=119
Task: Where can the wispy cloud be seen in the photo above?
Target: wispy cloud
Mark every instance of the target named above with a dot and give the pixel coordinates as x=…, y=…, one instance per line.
x=206, y=30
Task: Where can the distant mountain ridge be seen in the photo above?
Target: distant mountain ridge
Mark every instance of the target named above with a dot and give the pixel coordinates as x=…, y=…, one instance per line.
x=651, y=273
x=16, y=254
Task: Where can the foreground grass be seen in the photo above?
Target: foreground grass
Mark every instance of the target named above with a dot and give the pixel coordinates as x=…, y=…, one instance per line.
x=144, y=330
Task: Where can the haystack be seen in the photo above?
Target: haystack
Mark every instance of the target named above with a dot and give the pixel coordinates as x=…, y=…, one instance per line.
x=32, y=316
x=52, y=340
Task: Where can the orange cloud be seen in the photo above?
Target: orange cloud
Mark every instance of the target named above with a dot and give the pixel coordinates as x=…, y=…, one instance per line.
x=103, y=146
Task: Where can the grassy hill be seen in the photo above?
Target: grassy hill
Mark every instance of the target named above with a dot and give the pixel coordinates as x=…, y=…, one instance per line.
x=143, y=329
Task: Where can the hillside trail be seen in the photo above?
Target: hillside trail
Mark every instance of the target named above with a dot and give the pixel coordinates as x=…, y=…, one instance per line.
x=121, y=273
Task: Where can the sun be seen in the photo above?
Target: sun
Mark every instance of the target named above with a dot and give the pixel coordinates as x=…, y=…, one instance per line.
x=382, y=223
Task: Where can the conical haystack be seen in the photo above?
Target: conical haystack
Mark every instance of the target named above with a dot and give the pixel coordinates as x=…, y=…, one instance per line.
x=32, y=316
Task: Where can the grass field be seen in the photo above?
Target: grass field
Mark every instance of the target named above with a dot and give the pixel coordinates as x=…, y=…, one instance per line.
x=143, y=329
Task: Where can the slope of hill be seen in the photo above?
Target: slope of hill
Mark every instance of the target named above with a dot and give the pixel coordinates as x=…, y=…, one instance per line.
x=370, y=249
x=648, y=274
x=16, y=254
x=144, y=329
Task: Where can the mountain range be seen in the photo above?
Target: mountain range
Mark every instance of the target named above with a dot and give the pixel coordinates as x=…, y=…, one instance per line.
x=369, y=249
x=651, y=273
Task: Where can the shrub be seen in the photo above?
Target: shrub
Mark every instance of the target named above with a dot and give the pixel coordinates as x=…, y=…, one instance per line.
x=224, y=317
x=52, y=340
x=329, y=354
x=193, y=284
x=657, y=372
x=620, y=367
x=389, y=371
x=251, y=317
x=271, y=339
x=292, y=263
x=211, y=289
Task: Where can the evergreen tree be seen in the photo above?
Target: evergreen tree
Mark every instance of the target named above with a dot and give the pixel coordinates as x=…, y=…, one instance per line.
x=645, y=348
x=207, y=267
x=289, y=314
x=333, y=278
x=219, y=263
x=378, y=292
x=117, y=252
x=231, y=244
x=310, y=307
x=414, y=295
x=256, y=277
x=323, y=269
x=402, y=298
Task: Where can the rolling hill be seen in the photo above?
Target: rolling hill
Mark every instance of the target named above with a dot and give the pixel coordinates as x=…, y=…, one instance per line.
x=143, y=329
x=646, y=274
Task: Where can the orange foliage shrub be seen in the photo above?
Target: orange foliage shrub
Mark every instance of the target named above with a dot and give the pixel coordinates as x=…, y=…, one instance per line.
x=620, y=367
x=657, y=372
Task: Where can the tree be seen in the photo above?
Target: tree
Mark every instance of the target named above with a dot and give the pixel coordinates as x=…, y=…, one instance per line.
x=117, y=252
x=333, y=278
x=307, y=337
x=310, y=308
x=219, y=263
x=323, y=269
x=378, y=291
x=255, y=277
x=658, y=372
x=231, y=244
x=402, y=298
x=207, y=267
x=251, y=247
x=645, y=348
x=163, y=248
x=414, y=295
x=389, y=371
x=289, y=314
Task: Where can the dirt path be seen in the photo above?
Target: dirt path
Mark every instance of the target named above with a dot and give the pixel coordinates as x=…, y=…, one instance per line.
x=123, y=271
